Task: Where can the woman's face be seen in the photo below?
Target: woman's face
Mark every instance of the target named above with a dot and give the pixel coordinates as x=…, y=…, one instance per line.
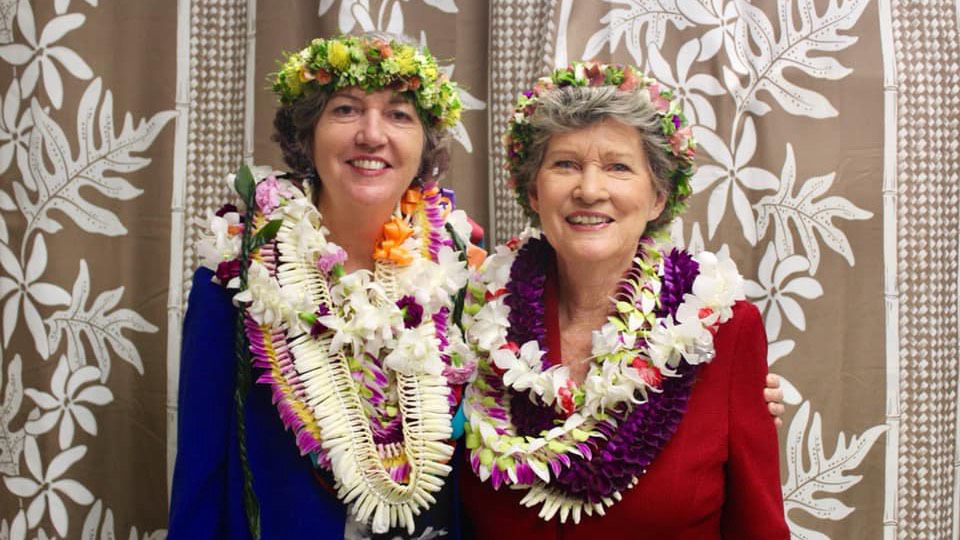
x=594, y=192
x=366, y=148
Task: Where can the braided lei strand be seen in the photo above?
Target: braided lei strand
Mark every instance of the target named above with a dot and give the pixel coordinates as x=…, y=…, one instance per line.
x=575, y=448
x=359, y=364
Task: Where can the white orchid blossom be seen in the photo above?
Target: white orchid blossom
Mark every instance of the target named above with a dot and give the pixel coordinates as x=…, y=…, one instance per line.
x=263, y=293
x=489, y=326
x=606, y=340
x=522, y=370
x=556, y=377
x=417, y=351
x=495, y=270
x=461, y=224
x=606, y=386
x=719, y=285
x=223, y=242
x=689, y=339
x=434, y=283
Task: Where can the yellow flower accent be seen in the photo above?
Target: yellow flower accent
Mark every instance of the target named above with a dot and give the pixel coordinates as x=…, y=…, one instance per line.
x=405, y=62
x=338, y=55
x=430, y=70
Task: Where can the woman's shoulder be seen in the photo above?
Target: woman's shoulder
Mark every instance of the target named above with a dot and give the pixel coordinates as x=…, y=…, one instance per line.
x=207, y=292
x=745, y=314
x=210, y=312
x=742, y=340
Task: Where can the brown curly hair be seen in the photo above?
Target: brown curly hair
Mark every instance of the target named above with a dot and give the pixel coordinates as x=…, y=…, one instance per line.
x=294, y=123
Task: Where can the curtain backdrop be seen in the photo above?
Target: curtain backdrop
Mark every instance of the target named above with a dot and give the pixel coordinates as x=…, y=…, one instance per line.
x=829, y=167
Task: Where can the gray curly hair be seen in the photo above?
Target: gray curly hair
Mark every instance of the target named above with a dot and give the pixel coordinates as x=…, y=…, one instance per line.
x=571, y=108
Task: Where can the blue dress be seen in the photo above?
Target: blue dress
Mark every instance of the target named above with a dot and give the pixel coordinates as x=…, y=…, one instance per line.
x=207, y=499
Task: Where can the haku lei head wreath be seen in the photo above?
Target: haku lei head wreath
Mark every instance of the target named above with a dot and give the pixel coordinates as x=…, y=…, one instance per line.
x=371, y=64
x=680, y=147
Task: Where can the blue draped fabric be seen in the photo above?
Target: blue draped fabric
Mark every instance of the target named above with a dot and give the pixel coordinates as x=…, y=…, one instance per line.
x=207, y=499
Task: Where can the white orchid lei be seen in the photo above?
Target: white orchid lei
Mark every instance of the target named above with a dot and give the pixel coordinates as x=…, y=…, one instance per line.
x=665, y=313
x=360, y=364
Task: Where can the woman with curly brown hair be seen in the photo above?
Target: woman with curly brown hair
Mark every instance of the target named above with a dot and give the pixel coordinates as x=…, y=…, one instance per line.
x=348, y=271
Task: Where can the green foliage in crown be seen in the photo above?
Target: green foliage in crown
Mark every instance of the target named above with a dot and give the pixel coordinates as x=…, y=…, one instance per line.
x=680, y=148
x=371, y=64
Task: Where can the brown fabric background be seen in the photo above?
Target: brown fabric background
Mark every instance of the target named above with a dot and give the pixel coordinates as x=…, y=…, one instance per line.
x=876, y=362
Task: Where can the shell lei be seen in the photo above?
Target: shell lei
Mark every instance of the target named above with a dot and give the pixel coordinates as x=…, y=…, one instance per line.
x=577, y=447
x=338, y=349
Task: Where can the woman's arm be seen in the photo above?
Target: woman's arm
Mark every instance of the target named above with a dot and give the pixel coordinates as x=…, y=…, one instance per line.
x=202, y=505
x=754, y=504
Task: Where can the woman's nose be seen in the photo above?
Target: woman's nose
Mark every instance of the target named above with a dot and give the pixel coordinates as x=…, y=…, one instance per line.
x=591, y=187
x=371, y=132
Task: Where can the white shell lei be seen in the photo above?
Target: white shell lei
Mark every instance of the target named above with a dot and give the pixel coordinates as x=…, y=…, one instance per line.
x=328, y=388
x=361, y=477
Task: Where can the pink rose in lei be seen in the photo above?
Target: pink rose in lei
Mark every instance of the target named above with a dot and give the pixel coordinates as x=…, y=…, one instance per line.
x=268, y=195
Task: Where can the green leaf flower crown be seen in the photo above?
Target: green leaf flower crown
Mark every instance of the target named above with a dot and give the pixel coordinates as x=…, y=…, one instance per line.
x=680, y=146
x=371, y=64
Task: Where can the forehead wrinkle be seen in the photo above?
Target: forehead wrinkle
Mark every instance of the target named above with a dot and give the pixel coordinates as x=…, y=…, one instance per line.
x=617, y=154
x=588, y=146
x=566, y=145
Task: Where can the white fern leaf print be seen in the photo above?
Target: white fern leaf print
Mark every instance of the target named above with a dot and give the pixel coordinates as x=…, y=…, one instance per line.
x=805, y=487
x=767, y=57
x=642, y=22
x=60, y=188
x=102, y=325
x=11, y=442
x=98, y=525
x=810, y=216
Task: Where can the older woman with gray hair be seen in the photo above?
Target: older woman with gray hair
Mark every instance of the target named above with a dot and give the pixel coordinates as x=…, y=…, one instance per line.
x=618, y=392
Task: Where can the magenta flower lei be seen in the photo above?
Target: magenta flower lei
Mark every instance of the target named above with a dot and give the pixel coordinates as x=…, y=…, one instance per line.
x=637, y=437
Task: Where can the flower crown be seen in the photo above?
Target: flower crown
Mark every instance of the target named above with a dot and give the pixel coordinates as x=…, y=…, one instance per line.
x=681, y=146
x=371, y=64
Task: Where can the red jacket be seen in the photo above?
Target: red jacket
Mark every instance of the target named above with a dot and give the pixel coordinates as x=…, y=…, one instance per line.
x=718, y=477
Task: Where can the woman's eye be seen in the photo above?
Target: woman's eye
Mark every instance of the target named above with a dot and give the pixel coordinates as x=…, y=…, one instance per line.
x=401, y=115
x=620, y=167
x=343, y=109
x=564, y=164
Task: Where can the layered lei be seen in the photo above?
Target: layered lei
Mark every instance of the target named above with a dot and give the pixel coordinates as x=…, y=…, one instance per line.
x=576, y=447
x=360, y=365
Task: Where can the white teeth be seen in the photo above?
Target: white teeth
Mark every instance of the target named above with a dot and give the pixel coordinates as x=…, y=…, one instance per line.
x=588, y=220
x=369, y=164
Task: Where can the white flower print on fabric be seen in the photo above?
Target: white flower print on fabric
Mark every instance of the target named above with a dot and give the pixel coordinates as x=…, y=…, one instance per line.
x=68, y=402
x=47, y=488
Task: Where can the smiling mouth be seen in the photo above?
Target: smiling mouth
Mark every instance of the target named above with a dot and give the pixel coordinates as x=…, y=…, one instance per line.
x=588, y=219
x=368, y=164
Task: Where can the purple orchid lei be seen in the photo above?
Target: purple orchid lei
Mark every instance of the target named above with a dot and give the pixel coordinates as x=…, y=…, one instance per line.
x=632, y=439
